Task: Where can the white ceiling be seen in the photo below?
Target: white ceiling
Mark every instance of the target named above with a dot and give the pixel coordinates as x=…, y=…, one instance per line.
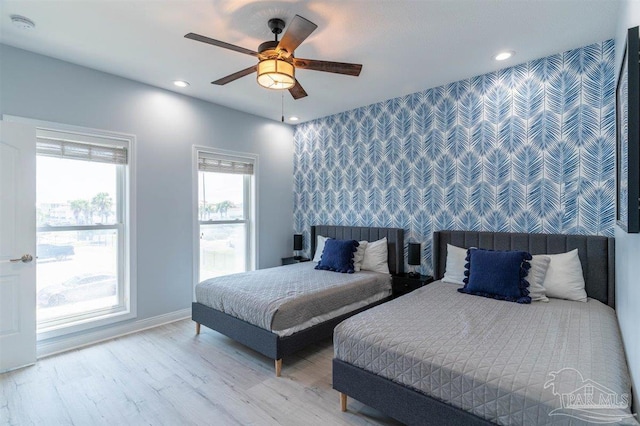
x=404, y=46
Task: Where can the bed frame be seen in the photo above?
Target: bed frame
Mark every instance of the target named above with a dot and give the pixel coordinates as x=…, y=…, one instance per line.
x=597, y=255
x=276, y=347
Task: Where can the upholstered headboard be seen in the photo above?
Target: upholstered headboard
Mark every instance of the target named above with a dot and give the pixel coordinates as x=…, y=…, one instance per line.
x=395, y=240
x=597, y=254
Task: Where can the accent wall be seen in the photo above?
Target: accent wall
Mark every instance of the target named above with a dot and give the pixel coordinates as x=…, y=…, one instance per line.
x=529, y=148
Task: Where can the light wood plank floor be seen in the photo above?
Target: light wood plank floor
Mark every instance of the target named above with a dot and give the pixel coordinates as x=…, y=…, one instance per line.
x=170, y=376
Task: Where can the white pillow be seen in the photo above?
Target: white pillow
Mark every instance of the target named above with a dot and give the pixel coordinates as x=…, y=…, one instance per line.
x=537, y=273
x=320, y=240
x=358, y=256
x=376, y=257
x=454, y=270
x=564, y=279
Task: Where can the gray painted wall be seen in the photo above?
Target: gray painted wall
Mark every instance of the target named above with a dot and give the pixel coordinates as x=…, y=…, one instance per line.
x=166, y=125
x=628, y=245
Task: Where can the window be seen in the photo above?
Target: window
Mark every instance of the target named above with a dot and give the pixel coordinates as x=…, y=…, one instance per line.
x=225, y=185
x=83, y=232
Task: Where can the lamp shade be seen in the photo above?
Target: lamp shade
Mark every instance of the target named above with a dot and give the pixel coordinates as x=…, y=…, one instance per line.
x=276, y=74
x=414, y=253
x=297, y=242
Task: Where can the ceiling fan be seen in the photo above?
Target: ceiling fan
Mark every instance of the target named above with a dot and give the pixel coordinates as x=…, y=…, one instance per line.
x=276, y=63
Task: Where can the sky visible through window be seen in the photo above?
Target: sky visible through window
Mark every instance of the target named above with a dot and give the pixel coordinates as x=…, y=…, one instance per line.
x=220, y=187
x=62, y=180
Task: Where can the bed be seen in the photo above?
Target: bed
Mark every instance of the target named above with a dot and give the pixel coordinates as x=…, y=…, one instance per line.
x=421, y=360
x=302, y=321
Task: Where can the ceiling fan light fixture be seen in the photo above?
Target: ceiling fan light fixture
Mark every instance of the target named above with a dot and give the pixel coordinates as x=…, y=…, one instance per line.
x=277, y=63
x=276, y=74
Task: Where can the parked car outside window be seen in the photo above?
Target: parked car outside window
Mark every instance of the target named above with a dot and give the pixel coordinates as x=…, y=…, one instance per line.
x=78, y=289
x=53, y=251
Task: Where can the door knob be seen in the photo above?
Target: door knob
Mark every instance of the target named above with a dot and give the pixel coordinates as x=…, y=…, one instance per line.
x=26, y=258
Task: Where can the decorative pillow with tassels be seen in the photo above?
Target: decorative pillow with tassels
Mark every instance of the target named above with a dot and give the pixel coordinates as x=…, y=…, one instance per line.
x=338, y=256
x=497, y=274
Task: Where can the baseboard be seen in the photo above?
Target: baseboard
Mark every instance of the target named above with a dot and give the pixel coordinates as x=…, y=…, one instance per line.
x=59, y=344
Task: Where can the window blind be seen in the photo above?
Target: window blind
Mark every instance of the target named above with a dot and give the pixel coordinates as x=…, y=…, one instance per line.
x=209, y=162
x=79, y=147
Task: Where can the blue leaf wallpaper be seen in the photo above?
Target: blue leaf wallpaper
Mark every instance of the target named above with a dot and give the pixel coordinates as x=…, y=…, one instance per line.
x=525, y=149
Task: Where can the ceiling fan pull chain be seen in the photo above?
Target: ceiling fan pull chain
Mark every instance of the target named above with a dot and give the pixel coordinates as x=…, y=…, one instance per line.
x=282, y=118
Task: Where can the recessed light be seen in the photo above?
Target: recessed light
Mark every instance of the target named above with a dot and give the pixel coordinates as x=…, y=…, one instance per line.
x=504, y=55
x=22, y=22
x=180, y=83
x=294, y=118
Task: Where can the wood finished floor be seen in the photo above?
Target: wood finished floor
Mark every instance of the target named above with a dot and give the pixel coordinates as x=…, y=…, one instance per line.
x=170, y=376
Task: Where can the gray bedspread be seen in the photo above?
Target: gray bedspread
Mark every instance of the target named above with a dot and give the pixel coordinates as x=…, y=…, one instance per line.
x=286, y=296
x=494, y=358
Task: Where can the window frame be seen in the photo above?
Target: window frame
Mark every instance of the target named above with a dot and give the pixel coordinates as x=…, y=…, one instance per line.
x=250, y=207
x=125, y=182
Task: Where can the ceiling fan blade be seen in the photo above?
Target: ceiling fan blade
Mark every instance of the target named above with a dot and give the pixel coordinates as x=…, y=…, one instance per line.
x=235, y=76
x=203, y=39
x=327, y=66
x=299, y=29
x=297, y=91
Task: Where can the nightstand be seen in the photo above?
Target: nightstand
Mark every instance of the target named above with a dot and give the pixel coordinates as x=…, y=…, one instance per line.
x=294, y=259
x=403, y=283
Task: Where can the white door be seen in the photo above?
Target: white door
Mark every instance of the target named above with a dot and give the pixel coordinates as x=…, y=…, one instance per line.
x=17, y=245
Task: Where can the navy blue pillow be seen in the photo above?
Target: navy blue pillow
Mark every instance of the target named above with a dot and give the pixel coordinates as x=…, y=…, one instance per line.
x=497, y=274
x=338, y=256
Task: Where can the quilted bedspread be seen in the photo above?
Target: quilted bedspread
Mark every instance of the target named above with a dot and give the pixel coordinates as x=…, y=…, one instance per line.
x=504, y=362
x=286, y=296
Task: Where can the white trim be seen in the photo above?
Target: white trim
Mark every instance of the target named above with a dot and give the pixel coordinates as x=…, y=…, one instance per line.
x=79, y=130
x=130, y=238
x=77, y=228
x=255, y=206
x=226, y=222
x=195, y=215
x=131, y=244
x=66, y=343
x=83, y=323
x=17, y=368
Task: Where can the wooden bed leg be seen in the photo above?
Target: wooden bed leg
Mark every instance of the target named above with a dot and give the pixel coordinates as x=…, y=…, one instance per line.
x=197, y=328
x=343, y=402
x=278, y=367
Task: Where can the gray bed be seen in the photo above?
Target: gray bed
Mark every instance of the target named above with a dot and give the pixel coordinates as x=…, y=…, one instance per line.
x=440, y=357
x=264, y=321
